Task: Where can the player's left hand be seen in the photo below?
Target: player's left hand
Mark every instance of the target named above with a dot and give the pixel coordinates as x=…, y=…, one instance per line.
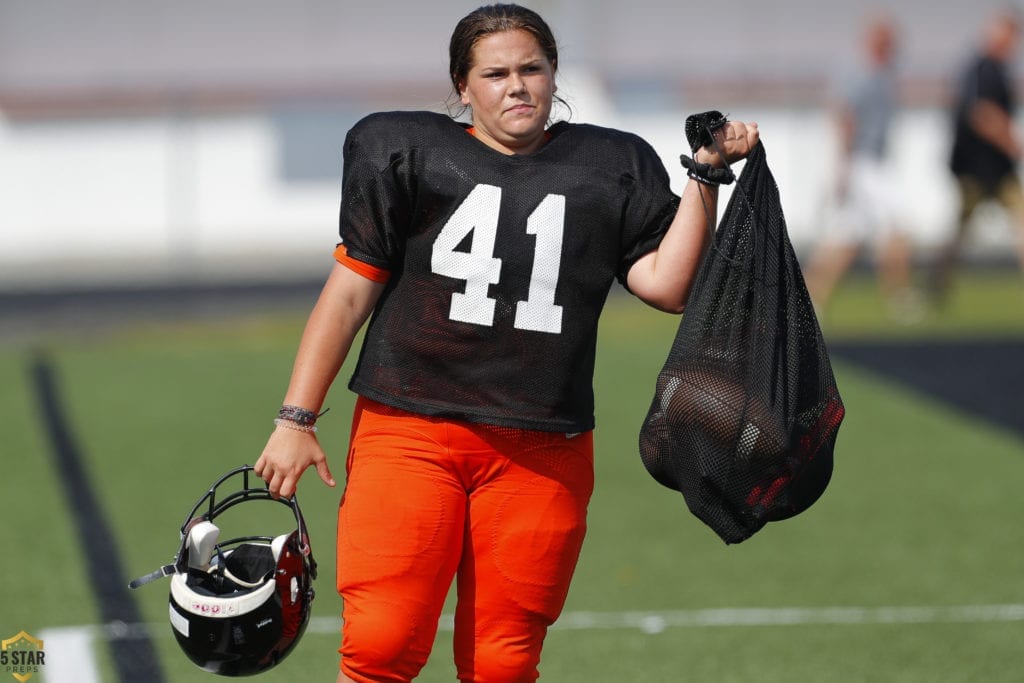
x=736, y=139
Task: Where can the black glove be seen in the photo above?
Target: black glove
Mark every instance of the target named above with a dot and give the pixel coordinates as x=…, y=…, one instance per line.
x=699, y=128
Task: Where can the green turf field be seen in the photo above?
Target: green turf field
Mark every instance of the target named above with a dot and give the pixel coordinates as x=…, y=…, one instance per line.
x=909, y=568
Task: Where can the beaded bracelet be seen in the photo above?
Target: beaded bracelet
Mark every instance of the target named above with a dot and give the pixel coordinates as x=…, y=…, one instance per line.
x=295, y=426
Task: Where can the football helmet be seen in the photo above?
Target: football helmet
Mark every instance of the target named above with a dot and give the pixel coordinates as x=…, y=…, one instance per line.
x=239, y=606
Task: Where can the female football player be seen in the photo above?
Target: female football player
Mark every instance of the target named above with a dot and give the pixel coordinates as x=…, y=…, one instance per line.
x=481, y=254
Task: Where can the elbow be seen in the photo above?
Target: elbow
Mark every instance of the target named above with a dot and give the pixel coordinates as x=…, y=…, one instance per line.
x=674, y=305
x=675, y=309
x=666, y=299
x=668, y=296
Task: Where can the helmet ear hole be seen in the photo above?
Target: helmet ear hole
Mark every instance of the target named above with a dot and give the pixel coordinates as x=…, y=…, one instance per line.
x=202, y=544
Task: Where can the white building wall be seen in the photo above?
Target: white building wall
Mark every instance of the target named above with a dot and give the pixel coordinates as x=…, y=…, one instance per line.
x=166, y=199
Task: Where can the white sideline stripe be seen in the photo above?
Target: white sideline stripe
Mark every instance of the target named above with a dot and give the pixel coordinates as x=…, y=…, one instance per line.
x=658, y=621
x=70, y=657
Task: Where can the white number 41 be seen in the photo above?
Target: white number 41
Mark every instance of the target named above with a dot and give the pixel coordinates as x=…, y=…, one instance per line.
x=479, y=268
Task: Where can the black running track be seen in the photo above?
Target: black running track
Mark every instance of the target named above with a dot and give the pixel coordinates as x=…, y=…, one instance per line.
x=984, y=378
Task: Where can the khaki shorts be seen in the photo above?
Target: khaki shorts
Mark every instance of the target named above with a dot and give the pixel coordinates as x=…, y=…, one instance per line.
x=972, y=194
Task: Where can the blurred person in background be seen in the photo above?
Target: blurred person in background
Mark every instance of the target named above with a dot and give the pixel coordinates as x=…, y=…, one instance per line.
x=861, y=207
x=482, y=254
x=986, y=146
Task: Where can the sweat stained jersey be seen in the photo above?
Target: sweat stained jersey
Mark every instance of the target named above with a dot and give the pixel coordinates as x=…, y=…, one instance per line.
x=500, y=265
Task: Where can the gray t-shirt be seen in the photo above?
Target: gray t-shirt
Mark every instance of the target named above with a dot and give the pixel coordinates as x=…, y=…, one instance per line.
x=870, y=95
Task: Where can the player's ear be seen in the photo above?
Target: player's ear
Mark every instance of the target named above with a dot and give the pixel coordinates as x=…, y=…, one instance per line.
x=462, y=93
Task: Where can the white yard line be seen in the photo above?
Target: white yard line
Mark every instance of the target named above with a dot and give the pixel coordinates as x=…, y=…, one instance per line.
x=70, y=654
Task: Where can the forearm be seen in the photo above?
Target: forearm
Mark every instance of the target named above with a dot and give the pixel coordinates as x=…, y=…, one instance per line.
x=322, y=351
x=344, y=305
x=995, y=126
x=846, y=127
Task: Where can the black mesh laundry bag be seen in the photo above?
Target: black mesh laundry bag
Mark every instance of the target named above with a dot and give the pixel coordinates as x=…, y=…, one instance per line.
x=746, y=409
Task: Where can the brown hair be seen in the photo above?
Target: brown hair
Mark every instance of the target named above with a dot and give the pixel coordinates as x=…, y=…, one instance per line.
x=490, y=19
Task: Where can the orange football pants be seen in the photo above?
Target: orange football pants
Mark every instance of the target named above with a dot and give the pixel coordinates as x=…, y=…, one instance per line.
x=429, y=499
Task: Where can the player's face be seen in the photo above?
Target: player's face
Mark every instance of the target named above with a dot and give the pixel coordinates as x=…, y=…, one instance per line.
x=510, y=86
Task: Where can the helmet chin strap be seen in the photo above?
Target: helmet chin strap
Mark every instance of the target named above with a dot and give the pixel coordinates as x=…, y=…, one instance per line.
x=165, y=570
x=200, y=544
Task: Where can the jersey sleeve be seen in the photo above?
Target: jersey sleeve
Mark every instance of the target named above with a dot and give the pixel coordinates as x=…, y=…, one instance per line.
x=363, y=268
x=991, y=85
x=376, y=194
x=650, y=208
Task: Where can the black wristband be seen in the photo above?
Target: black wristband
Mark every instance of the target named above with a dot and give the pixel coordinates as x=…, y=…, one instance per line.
x=706, y=173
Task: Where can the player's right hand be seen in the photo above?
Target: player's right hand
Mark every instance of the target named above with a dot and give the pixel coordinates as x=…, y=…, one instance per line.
x=287, y=455
x=736, y=139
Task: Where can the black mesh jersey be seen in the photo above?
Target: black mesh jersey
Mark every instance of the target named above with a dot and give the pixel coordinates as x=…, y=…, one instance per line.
x=500, y=265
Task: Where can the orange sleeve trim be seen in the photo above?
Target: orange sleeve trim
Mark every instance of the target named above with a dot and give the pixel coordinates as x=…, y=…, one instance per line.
x=362, y=267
